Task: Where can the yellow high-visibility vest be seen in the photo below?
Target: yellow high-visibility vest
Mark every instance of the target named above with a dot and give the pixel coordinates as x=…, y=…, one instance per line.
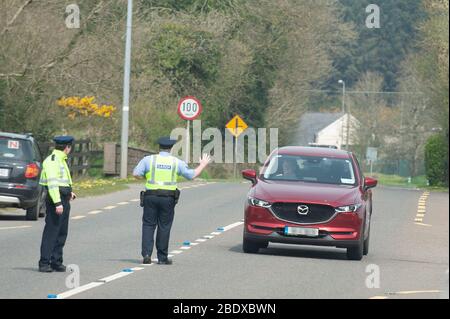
x=162, y=173
x=55, y=173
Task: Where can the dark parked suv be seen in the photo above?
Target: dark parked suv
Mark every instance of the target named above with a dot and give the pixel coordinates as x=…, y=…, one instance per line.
x=20, y=169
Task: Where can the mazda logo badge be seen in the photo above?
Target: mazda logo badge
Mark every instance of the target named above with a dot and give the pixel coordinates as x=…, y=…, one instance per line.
x=303, y=210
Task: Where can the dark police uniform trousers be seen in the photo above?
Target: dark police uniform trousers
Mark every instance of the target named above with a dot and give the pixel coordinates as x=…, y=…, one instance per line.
x=55, y=230
x=159, y=212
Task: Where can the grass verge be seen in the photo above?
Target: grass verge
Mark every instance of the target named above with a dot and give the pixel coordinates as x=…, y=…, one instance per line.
x=400, y=181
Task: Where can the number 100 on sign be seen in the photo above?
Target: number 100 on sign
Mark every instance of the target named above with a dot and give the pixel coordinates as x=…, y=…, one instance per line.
x=189, y=108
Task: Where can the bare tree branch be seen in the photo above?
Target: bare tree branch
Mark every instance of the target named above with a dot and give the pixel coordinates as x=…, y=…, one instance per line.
x=14, y=18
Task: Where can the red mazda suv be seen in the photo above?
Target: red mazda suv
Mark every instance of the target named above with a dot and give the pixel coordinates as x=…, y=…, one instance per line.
x=309, y=196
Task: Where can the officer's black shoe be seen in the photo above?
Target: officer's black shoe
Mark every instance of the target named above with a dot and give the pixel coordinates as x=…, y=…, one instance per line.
x=45, y=268
x=147, y=260
x=59, y=268
x=165, y=262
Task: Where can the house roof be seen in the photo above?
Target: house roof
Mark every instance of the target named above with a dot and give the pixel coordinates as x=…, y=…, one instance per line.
x=312, y=123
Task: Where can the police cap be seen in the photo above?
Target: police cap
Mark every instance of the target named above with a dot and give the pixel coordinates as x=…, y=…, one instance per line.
x=63, y=140
x=166, y=142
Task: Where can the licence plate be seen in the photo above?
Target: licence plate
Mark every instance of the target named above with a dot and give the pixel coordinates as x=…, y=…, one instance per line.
x=301, y=231
x=4, y=172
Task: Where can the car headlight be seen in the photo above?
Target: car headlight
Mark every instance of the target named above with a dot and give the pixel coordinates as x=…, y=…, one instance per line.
x=257, y=202
x=347, y=209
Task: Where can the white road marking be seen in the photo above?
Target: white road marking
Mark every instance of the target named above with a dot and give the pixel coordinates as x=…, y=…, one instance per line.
x=422, y=224
x=104, y=280
x=95, y=212
x=78, y=290
x=169, y=256
x=201, y=240
x=232, y=226
x=14, y=227
x=109, y=207
x=123, y=203
x=418, y=219
x=135, y=200
x=114, y=277
x=420, y=215
x=215, y=233
x=78, y=217
x=379, y=297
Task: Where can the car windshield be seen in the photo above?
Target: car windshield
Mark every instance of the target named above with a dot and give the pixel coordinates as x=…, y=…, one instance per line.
x=326, y=170
x=15, y=149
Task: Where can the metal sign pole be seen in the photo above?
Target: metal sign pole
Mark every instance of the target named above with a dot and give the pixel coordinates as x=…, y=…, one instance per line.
x=235, y=158
x=187, y=141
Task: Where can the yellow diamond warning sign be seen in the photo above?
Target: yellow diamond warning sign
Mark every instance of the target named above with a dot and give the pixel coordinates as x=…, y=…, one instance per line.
x=236, y=126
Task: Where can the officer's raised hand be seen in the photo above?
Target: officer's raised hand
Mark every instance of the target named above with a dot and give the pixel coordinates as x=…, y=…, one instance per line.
x=204, y=161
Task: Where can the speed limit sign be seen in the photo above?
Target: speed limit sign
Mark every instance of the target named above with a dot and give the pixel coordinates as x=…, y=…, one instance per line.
x=189, y=108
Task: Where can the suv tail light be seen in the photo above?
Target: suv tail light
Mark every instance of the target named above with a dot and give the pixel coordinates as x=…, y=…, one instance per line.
x=31, y=171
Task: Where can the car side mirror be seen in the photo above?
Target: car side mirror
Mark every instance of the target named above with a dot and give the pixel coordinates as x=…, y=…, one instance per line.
x=249, y=174
x=370, y=183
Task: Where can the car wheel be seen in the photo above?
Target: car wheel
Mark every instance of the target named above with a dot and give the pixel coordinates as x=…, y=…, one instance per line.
x=366, y=243
x=356, y=252
x=33, y=212
x=43, y=207
x=250, y=247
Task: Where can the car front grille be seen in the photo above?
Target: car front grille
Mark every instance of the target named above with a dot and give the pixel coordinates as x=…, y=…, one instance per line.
x=289, y=212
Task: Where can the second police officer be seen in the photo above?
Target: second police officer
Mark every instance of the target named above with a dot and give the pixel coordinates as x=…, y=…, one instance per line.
x=55, y=177
x=161, y=196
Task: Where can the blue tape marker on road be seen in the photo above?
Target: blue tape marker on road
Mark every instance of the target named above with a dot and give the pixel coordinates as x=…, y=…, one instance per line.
x=220, y=229
x=187, y=243
x=127, y=270
x=52, y=296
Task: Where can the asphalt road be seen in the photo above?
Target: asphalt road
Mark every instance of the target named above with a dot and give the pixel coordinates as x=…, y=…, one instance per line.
x=104, y=239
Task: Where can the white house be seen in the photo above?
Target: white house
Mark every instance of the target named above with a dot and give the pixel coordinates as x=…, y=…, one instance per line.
x=326, y=129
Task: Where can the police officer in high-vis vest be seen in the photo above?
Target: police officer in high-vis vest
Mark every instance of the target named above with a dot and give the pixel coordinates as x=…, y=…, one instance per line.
x=161, y=195
x=55, y=177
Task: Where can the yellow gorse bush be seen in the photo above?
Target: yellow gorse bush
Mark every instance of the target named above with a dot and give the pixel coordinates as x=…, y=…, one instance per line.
x=85, y=106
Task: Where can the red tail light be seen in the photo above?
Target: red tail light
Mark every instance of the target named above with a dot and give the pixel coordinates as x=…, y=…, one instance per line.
x=31, y=171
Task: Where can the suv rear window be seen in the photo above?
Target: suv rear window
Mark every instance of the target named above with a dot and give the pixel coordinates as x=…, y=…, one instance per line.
x=15, y=149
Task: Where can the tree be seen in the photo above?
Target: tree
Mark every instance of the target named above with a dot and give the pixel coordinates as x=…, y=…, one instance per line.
x=378, y=50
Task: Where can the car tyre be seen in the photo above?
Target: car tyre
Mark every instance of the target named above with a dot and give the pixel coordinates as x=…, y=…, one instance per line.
x=366, y=243
x=43, y=207
x=250, y=246
x=357, y=252
x=33, y=212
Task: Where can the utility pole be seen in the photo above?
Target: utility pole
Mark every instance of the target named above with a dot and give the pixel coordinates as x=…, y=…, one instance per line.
x=343, y=112
x=126, y=96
